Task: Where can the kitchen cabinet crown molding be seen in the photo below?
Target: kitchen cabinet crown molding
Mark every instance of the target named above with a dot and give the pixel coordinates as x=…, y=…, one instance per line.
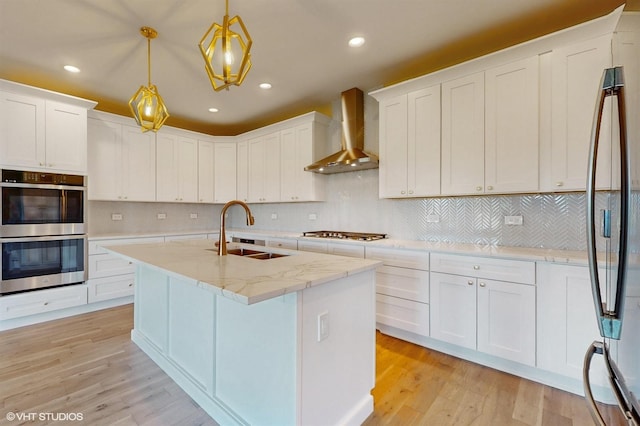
x=587, y=30
x=23, y=89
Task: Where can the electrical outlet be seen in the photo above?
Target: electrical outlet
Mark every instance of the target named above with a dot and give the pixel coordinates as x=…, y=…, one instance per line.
x=513, y=220
x=116, y=216
x=274, y=216
x=193, y=215
x=161, y=216
x=323, y=326
x=313, y=216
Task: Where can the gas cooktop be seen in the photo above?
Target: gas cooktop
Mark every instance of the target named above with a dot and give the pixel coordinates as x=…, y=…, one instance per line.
x=359, y=236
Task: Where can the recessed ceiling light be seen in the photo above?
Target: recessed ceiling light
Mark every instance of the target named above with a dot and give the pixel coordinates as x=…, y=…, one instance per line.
x=265, y=86
x=71, y=68
x=213, y=110
x=356, y=41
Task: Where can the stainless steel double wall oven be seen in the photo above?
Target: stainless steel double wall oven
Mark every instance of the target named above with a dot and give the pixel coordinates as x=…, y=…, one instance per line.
x=43, y=230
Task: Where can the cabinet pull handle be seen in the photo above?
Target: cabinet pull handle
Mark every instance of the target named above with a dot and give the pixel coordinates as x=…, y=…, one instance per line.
x=403, y=192
x=130, y=284
x=490, y=188
x=482, y=284
x=478, y=188
x=470, y=282
x=559, y=183
x=476, y=267
x=46, y=303
x=410, y=191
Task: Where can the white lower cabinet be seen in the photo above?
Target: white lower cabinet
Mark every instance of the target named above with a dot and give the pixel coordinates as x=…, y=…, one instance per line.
x=481, y=313
x=567, y=322
x=402, y=289
x=111, y=276
x=41, y=301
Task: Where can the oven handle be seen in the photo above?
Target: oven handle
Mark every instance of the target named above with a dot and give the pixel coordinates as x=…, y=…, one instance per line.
x=41, y=186
x=46, y=238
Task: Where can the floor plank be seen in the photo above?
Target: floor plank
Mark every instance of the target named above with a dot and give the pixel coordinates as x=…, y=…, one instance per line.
x=87, y=364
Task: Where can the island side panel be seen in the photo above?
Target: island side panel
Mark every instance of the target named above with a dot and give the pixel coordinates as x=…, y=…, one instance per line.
x=256, y=359
x=338, y=371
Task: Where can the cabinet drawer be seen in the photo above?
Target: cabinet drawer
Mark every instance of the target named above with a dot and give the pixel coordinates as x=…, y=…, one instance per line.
x=346, y=250
x=517, y=271
x=282, y=243
x=107, y=265
x=110, y=287
x=312, y=246
x=36, y=302
x=403, y=314
x=413, y=259
x=95, y=246
x=411, y=284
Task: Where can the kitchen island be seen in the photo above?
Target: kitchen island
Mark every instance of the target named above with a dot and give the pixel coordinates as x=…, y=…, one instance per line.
x=285, y=338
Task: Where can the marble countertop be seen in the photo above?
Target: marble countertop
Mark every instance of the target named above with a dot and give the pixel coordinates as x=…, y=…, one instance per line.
x=240, y=278
x=521, y=253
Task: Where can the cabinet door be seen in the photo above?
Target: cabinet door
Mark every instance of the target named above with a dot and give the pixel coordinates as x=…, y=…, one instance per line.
x=242, y=174
x=205, y=171
x=507, y=320
x=225, y=179
x=22, y=131
x=272, y=168
x=166, y=167
x=139, y=164
x=453, y=309
x=566, y=323
x=105, y=160
x=290, y=171
x=256, y=169
x=264, y=168
x=423, y=143
x=187, y=154
x=576, y=73
x=66, y=137
x=463, y=135
x=511, y=127
x=393, y=147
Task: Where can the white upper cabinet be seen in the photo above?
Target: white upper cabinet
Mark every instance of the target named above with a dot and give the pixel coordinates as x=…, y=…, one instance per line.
x=576, y=71
x=463, y=135
x=263, y=158
x=225, y=181
x=121, y=160
x=176, y=167
x=410, y=144
x=296, y=152
x=43, y=134
x=206, y=166
x=511, y=127
x=242, y=171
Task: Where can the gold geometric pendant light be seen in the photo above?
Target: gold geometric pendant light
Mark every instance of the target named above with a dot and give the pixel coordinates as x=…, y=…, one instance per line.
x=146, y=104
x=225, y=50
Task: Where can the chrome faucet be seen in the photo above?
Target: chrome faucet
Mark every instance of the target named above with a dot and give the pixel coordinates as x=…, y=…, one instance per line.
x=222, y=242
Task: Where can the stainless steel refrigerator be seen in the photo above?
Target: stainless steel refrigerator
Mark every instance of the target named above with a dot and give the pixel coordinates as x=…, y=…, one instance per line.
x=613, y=232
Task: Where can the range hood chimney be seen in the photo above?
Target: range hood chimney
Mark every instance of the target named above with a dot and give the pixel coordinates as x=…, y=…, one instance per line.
x=351, y=156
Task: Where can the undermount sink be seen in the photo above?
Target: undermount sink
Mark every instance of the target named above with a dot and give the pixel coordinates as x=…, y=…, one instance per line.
x=254, y=254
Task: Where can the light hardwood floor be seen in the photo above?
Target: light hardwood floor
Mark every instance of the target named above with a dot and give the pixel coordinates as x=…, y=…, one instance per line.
x=88, y=365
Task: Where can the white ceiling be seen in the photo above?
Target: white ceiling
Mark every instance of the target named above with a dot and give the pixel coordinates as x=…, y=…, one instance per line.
x=300, y=47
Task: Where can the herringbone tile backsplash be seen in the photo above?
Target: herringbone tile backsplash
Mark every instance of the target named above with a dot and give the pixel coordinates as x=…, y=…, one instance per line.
x=554, y=221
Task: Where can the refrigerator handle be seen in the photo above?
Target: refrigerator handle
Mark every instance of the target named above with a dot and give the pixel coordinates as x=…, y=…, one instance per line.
x=605, y=84
x=595, y=348
x=609, y=321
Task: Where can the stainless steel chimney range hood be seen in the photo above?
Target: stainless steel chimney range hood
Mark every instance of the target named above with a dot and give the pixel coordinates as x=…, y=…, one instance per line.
x=351, y=156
